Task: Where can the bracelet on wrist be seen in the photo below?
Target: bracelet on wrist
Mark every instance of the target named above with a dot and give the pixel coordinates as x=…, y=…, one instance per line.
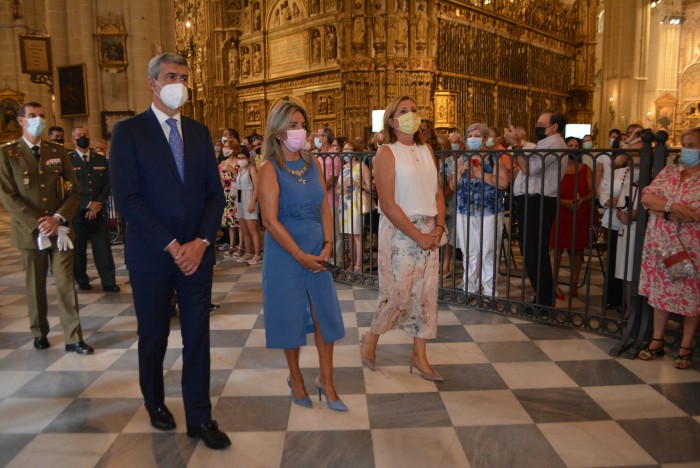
x=444, y=229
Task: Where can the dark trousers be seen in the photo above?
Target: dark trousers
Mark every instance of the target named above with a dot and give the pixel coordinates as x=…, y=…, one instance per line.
x=613, y=286
x=152, y=300
x=534, y=240
x=98, y=236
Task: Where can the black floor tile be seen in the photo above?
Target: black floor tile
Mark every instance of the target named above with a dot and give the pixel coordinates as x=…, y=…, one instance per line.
x=507, y=446
x=11, y=445
x=352, y=449
x=684, y=395
x=95, y=415
x=388, y=411
x=541, y=331
x=595, y=373
x=546, y=405
x=53, y=384
x=512, y=351
x=452, y=334
x=680, y=436
x=462, y=377
x=253, y=413
x=172, y=450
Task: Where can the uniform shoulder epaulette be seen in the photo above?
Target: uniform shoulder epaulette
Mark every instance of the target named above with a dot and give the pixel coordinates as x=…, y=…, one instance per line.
x=7, y=145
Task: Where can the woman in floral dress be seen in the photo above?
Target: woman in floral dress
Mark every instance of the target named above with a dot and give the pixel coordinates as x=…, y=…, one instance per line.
x=228, y=170
x=673, y=200
x=353, y=191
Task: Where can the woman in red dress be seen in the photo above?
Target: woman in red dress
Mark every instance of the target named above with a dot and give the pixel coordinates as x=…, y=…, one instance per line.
x=574, y=203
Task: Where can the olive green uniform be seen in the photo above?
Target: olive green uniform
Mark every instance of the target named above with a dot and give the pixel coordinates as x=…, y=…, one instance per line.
x=93, y=177
x=30, y=190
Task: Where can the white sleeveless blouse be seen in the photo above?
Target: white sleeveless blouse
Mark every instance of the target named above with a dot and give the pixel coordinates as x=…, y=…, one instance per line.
x=415, y=186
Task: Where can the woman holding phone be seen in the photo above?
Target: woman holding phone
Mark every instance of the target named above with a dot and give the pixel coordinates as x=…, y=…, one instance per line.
x=298, y=292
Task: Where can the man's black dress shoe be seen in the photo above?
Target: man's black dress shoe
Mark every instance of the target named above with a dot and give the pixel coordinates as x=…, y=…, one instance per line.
x=113, y=289
x=213, y=307
x=210, y=435
x=85, y=286
x=80, y=347
x=41, y=343
x=162, y=418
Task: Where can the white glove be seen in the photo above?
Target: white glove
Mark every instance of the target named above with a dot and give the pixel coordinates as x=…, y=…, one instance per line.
x=63, y=242
x=43, y=242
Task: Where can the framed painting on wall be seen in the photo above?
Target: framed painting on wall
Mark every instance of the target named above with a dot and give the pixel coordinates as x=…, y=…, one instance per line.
x=72, y=89
x=110, y=118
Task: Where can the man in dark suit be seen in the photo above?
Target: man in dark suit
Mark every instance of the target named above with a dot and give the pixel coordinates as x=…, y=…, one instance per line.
x=39, y=189
x=166, y=185
x=91, y=223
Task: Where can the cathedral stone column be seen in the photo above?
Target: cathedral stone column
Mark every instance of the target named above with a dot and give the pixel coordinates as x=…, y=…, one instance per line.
x=625, y=63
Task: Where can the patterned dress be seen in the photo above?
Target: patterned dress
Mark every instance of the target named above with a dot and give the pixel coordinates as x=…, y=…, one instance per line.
x=677, y=296
x=408, y=275
x=354, y=200
x=228, y=219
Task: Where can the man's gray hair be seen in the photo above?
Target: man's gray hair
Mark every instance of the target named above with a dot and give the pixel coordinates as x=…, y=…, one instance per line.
x=154, y=64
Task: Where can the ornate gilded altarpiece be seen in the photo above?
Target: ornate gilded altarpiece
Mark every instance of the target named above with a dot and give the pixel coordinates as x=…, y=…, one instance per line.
x=478, y=60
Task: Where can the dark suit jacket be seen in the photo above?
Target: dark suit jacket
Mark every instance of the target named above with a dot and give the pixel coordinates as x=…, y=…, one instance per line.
x=149, y=194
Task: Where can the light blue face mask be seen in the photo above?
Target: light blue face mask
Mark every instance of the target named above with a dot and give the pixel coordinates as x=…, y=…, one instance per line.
x=36, y=126
x=690, y=157
x=347, y=158
x=317, y=142
x=489, y=142
x=455, y=147
x=612, y=142
x=587, y=144
x=475, y=143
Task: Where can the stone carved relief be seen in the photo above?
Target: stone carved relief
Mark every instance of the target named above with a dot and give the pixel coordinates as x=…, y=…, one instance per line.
x=401, y=24
x=289, y=11
x=252, y=113
x=315, y=7
x=233, y=63
x=247, y=12
x=324, y=104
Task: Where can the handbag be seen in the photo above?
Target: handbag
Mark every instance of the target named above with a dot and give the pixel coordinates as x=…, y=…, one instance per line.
x=677, y=261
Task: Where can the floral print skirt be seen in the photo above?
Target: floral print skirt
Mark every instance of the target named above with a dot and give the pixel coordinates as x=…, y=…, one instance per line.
x=408, y=281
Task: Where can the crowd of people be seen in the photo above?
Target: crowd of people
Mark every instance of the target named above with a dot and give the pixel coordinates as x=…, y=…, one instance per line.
x=315, y=192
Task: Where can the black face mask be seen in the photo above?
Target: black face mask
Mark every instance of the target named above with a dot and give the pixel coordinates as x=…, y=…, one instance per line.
x=58, y=140
x=540, y=133
x=83, y=142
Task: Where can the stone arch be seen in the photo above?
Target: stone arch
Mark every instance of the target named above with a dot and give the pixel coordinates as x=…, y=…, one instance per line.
x=275, y=17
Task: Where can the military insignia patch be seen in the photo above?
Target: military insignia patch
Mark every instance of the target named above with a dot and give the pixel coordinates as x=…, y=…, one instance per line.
x=67, y=185
x=53, y=162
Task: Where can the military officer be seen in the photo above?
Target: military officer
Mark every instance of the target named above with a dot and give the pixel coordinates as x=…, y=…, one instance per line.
x=40, y=191
x=91, y=223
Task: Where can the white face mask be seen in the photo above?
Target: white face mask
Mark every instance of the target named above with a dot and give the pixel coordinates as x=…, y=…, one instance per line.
x=224, y=140
x=242, y=163
x=227, y=152
x=173, y=95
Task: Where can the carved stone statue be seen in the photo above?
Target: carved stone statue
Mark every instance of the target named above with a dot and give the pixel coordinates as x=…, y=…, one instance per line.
x=233, y=67
x=401, y=26
x=331, y=43
x=421, y=24
x=315, y=46
x=246, y=17
x=256, y=17
x=329, y=106
x=245, y=63
x=296, y=12
x=315, y=7
x=358, y=26
x=276, y=18
x=379, y=24
x=257, y=60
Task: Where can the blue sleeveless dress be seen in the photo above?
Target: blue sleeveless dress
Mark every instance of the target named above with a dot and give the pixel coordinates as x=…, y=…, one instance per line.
x=289, y=288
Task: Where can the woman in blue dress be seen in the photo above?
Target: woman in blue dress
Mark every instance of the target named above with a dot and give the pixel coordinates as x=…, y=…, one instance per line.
x=299, y=296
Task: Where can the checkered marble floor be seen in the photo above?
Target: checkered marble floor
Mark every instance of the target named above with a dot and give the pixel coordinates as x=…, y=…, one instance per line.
x=516, y=393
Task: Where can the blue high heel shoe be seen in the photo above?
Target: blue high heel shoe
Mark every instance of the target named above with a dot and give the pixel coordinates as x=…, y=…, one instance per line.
x=305, y=401
x=336, y=405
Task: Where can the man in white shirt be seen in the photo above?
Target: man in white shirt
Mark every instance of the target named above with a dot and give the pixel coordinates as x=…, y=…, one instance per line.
x=535, y=190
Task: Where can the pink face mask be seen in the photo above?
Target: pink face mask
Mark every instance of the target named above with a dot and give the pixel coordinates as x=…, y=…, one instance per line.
x=296, y=139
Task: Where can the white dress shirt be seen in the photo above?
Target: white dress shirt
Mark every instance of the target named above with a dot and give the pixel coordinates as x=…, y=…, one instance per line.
x=531, y=183
x=162, y=117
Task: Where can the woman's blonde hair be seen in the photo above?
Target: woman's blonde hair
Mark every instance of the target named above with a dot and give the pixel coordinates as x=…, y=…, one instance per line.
x=389, y=132
x=277, y=123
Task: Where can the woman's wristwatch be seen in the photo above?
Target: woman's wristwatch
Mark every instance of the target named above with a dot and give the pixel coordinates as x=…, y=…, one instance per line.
x=667, y=209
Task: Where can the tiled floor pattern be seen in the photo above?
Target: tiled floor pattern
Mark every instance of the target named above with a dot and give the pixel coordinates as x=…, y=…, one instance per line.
x=516, y=393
